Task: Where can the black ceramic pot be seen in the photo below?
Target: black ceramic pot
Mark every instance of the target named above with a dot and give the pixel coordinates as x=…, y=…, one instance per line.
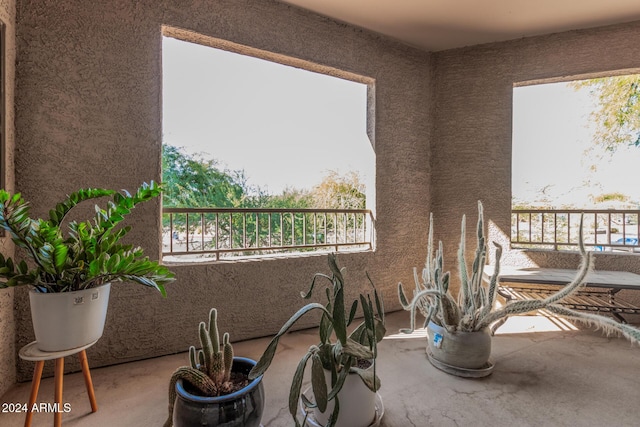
x=240, y=409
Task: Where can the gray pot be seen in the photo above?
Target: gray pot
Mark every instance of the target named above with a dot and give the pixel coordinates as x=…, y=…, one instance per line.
x=468, y=350
x=66, y=320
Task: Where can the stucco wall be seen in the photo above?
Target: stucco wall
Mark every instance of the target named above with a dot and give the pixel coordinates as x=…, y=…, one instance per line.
x=89, y=114
x=471, y=143
x=7, y=324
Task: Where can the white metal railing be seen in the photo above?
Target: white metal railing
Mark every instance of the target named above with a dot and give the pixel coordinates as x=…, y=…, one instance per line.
x=239, y=232
x=604, y=230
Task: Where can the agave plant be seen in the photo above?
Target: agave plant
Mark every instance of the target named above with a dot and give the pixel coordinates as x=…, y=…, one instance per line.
x=474, y=309
x=84, y=254
x=339, y=357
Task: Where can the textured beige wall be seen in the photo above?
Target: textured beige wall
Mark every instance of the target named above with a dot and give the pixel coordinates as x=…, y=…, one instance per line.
x=471, y=144
x=89, y=114
x=7, y=324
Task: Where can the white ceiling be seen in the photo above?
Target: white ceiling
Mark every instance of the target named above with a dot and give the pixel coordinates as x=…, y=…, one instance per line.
x=435, y=25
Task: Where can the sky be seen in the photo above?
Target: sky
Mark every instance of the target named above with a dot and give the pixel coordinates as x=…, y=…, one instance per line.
x=285, y=127
x=550, y=158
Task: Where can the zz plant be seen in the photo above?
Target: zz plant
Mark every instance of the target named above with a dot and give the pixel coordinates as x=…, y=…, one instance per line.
x=85, y=255
x=474, y=308
x=339, y=356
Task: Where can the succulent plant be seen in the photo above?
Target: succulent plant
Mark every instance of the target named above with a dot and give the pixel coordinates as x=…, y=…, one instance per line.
x=474, y=308
x=210, y=367
x=339, y=357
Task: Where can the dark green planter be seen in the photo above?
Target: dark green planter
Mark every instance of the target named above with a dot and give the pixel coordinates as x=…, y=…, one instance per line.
x=240, y=409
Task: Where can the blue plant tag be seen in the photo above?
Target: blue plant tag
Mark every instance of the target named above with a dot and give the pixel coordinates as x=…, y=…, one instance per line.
x=437, y=340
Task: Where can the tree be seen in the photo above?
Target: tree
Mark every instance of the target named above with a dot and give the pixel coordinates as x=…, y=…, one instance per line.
x=193, y=181
x=617, y=117
x=340, y=192
x=289, y=198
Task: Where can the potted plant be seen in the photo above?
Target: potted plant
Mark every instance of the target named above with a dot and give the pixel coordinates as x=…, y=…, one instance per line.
x=344, y=383
x=215, y=390
x=459, y=339
x=72, y=266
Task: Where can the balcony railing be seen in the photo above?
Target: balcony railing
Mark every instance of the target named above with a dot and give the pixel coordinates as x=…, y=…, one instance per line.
x=604, y=230
x=206, y=233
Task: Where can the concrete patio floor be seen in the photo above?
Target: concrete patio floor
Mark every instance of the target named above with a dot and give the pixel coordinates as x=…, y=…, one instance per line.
x=546, y=374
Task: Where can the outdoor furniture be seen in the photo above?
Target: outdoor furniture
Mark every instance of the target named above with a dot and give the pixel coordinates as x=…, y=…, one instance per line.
x=599, y=294
x=32, y=353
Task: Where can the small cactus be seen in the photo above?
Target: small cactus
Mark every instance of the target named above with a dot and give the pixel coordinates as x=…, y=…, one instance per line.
x=213, y=360
x=210, y=367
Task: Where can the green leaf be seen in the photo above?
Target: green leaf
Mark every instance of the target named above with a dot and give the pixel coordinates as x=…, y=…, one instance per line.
x=379, y=301
x=357, y=350
x=326, y=327
x=334, y=415
x=368, y=378
x=306, y=402
x=23, y=268
x=112, y=264
x=368, y=315
x=313, y=284
x=339, y=322
x=352, y=312
x=53, y=216
x=296, y=385
x=318, y=382
x=268, y=354
x=333, y=265
x=94, y=268
x=60, y=253
x=342, y=376
x=381, y=330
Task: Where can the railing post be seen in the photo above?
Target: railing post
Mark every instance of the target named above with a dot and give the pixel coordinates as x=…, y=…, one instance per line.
x=217, y=238
x=555, y=231
x=202, y=231
x=187, y=233
x=170, y=232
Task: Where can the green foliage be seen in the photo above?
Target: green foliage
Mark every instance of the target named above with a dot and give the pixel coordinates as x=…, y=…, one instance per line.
x=191, y=181
x=474, y=308
x=618, y=115
x=289, y=198
x=89, y=255
x=340, y=356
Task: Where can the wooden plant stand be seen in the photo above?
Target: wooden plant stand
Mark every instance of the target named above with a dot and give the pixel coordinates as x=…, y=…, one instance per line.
x=32, y=353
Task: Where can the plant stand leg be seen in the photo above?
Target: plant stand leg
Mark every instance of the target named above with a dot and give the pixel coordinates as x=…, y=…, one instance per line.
x=87, y=380
x=57, y=416
x=35, y=386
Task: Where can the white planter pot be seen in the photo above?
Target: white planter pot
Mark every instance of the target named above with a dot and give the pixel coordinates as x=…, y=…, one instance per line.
x=66, y=320
x=357, y=404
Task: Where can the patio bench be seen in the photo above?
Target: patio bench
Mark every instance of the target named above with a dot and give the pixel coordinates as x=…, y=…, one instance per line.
x=598, y=295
